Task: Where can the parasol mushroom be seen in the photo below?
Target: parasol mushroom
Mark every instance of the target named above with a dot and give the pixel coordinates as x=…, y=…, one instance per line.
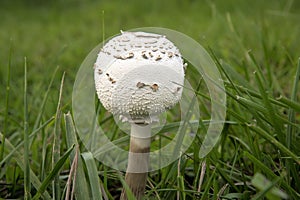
x=138, y=76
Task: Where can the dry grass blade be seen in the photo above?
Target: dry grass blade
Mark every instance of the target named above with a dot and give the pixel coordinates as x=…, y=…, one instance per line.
x=72, y=176
x=202, y=174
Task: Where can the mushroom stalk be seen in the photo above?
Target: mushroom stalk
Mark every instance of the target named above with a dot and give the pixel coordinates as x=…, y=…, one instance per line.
x=138, y=160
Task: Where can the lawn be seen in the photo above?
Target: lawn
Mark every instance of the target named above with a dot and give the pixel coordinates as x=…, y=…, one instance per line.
x=255, y=46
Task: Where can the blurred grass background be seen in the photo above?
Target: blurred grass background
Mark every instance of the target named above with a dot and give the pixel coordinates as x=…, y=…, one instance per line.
x=62, y=33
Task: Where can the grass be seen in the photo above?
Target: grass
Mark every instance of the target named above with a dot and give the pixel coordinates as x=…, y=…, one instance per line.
x=256, y=48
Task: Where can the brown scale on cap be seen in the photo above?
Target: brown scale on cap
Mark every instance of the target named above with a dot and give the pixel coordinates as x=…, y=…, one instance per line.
x=100, y=71
x=140, y=85
x=158, y=58
x=154, y=87
x=170, y=54
x=144, y=55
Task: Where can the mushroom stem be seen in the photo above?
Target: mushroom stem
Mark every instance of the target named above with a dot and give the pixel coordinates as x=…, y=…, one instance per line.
x=138, y=160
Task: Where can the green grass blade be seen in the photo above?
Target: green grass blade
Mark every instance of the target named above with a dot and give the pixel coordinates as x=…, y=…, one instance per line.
x=251, y=104
x=20, y=161
x=254, y=107
x=221, y=68
x=204, y=195
x=183, y=126
x=291, y=131
x=180, y=185
x=46, y=95
x=56, y=141
x=181, y=194
x=292, y=104
x=227, y=177
x=271, y=174
x=44, y=153
x=255, y=94
x=276, y=143
x=234, y=75
x=272, y=115
x=54, y=172
x=27, y=184
x=126, y=188
x=6, y=104
x=267, y=188
x=92, y=174
x=81, y=185
x=34, y=133
x=106, y=193
x=257, y=67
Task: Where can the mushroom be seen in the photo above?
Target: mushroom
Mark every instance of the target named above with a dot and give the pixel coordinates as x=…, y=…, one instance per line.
x=137, y=84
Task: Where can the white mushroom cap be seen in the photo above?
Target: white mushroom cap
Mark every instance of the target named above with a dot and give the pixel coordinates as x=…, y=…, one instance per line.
x=138, y=75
